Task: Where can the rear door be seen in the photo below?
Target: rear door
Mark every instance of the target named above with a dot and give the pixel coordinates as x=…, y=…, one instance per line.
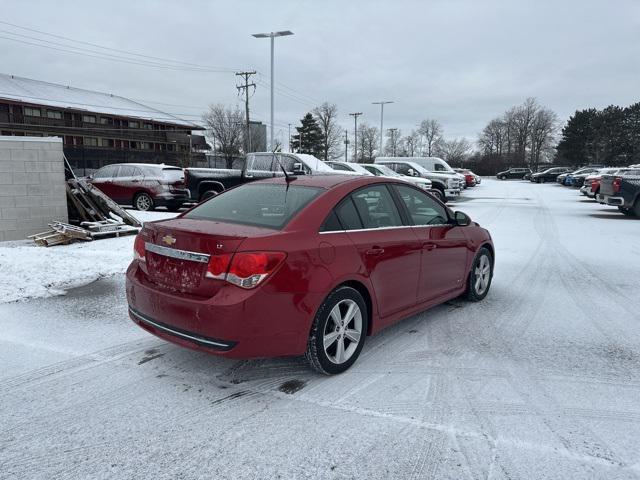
x=444, y=246
x=124, y=185
x=103, y=179
x=387, y=247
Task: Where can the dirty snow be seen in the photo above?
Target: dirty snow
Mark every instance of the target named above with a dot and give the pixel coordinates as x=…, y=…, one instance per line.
x=540, y=380
x=29, y=271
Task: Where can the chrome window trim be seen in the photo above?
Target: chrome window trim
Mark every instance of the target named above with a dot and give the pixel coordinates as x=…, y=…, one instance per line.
x=175, y=253
x=387, y=228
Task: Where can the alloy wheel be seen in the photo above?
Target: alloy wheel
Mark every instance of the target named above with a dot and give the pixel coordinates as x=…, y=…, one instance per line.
x=342, y=332
x=482, y=274
x=143, y=202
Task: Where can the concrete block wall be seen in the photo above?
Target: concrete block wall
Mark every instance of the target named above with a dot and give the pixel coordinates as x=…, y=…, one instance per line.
x=32, y=185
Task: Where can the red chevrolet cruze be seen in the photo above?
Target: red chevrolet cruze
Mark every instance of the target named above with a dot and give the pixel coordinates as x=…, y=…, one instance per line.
x=308, y=266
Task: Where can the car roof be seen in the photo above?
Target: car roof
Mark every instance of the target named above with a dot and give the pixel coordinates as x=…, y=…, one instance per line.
x=328, y=181
x=153, y=165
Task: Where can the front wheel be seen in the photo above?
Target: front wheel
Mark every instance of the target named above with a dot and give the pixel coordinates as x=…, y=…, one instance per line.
x=438, y=194
x=480, y=276
x=503, y=177
x=338, y=331
x=143, y=201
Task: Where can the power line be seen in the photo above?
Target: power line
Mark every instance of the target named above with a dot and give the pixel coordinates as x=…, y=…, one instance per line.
x=166, y=60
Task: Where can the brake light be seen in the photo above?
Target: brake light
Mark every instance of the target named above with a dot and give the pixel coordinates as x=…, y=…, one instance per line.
x=218, y=266
x=616, y=184
x=139, y=250
x=244, y=269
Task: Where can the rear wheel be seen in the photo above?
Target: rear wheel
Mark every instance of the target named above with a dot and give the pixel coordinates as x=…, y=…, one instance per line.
x=208, y=194
x=503, y=177
x=143, y=201
x=338, y=331
x=480, y=276
x=629, y=212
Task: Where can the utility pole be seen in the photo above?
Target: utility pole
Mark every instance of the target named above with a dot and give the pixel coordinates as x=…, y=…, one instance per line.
x=245, y=87
x=289, y=138
x=346, y=144
x=382, y=103
x=393, y=141
x=355, y=134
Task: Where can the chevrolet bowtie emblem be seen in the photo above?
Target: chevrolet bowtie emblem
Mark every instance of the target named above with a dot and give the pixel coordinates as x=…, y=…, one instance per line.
x=168, y=239
x=219, y=246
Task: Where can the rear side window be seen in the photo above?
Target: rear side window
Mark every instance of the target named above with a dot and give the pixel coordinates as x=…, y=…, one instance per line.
x=331, y=224
x=376, y=207
x=348, y=215
x=262, y=205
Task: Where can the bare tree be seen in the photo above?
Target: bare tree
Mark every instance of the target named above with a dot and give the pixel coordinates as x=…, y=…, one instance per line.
x=368, y=140
x=454, y=151
x=432, y=132
x=523, y=119
x=227, y=128
x=409, y=145
x=326, y=115
x=392, y=146
x=542, y=135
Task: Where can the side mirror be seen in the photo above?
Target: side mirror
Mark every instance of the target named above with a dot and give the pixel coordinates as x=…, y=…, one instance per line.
x=461, y=219
x=298, y=169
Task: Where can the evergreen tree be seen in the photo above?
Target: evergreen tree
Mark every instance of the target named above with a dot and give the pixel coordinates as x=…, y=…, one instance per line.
x=309, y=137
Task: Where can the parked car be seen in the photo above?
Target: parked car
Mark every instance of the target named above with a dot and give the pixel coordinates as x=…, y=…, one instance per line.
x=208, y=182
x=549, y=175
x=469, y=176
x=576, y=178
x=145, y=186
x=591, y=184
x=621, y=190
x=309, y=266
x=349, y=167
x=447, y=182
x=513, y=173
x=380, y=170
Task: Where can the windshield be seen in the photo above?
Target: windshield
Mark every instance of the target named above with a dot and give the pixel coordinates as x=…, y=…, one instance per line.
x=263, y=205
x=382, y=170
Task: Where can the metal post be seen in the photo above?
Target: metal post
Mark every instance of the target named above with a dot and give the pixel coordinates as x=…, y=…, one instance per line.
x=355, y=134
x=271, y=130
x=346, y=144
x=382, y=104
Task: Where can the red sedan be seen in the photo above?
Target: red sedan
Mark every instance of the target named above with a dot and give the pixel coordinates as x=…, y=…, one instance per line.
x=307, y=266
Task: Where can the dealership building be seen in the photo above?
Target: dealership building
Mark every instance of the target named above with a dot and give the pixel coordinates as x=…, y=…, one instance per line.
x=97, y=128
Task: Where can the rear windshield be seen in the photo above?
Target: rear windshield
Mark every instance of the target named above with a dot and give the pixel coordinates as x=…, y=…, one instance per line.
x=262, y=205
x=173, y=174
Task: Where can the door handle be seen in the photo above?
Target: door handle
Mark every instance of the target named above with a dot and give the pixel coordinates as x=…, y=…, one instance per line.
x=135, y=180
x=375, y=251
x=429, y=246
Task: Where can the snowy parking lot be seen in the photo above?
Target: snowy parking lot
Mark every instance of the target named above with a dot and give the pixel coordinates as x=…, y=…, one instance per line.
x=539, y=380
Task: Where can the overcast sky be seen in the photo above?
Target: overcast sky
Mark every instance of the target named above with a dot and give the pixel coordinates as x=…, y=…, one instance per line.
x=460, y=62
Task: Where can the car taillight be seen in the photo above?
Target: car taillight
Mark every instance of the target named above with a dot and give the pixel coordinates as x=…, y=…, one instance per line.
x=616, y=184
x=139, y=250
x=244, y=269
x=218, y=266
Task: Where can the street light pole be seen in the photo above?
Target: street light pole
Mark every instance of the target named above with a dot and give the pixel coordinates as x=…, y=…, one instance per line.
x=272, y=36
x=382, y=103
x=355, y=134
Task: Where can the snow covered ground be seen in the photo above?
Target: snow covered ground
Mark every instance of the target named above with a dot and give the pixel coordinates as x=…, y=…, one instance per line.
x=28, y=271
x=540, y=380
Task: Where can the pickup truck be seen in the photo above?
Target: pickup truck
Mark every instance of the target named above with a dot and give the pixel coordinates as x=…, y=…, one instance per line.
x=621, y=190
x=207, y=182
x=442, y=177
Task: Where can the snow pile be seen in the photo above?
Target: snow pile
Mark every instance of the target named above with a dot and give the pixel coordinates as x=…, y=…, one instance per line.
x=28, y=271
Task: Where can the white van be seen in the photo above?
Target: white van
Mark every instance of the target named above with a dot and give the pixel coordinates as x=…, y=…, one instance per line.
x=443, y=177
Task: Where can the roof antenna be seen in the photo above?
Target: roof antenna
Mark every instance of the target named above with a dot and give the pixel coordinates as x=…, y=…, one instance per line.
x=287, y=176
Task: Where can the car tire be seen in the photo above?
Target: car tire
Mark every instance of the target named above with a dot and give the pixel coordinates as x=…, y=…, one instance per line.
x=438, y=194
x=327, y=349
x=503, y=177
x=207, y=195
x=480, y=276
x=629, y=212
x=143, y=201
x=174, y=208
x=636, y=207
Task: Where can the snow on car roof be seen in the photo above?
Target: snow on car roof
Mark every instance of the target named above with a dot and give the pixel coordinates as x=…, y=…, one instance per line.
x=37, y=92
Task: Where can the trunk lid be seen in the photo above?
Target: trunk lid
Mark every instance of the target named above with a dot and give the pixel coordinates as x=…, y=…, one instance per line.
x=606, y=184
x=178, y=252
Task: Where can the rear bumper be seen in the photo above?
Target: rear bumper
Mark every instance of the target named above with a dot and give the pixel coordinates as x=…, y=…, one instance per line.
x=234, y=323
x=171, y=200
x=609, y=200
x=586, y=190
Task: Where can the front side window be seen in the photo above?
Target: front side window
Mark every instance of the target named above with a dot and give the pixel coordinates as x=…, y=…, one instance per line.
x=423, y=210
x=439, y=168
x=262, y=205
x=376, y=207
x=338, y=166
x=403, y=168
x=126, y=171
x=106, y=172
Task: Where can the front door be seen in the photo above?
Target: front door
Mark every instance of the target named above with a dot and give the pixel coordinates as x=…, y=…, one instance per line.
x=387, y=247
x=444, y=245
